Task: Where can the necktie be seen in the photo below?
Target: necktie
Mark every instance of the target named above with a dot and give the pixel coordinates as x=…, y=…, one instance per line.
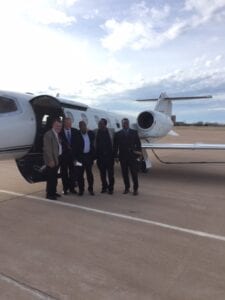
x=68, y=136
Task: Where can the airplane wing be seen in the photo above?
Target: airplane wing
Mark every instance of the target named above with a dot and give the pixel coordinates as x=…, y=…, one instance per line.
x=194, y=146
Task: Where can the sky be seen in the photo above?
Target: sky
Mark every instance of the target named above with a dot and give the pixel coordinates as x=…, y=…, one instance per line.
x=109, y=53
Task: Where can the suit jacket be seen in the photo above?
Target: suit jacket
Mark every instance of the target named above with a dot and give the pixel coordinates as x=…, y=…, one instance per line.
x=126, y=143
x=79, y=147
x=50, y=148
x=111, y=133
x=68, y=147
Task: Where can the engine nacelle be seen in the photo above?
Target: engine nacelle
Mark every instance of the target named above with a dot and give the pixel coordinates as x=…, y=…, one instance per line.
x=153, y=124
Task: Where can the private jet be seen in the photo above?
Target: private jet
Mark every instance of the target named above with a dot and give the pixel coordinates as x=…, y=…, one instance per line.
x=25, y=117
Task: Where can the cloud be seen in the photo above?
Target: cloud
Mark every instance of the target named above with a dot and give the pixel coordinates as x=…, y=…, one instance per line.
x=35, y=55
x=103, y=82
x=174, y=31
x=146, y=27
x=217, y=109
x=137, y=33
x=195, y=79
x=39, y=52
x=205, y=8
x=179, y=82
x=208, y=63
x=142, y=11
x=67, y=3
x=204, y=60
x=218, y=58
x=121, y=34
x=40, y=12
x=91, y=15
x=51, y=16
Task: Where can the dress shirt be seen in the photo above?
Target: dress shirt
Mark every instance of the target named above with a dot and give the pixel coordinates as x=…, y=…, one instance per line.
x=86, y=142
x=126, y=131
x=59, y=143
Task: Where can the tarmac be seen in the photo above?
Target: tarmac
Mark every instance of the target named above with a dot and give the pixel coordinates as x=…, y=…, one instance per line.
x=167, y=243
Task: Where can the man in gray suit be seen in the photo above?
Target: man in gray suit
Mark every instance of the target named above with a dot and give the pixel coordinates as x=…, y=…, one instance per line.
x=52, y=150
x=127, y=147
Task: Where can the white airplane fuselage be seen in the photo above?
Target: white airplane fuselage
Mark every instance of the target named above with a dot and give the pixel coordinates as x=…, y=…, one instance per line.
x=24, y=118
x=17, y=127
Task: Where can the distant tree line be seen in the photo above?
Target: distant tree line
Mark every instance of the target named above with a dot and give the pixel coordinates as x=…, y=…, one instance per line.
x=200, y=123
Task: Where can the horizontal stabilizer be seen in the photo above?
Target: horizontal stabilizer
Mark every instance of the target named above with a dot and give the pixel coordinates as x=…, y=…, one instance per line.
x=175, y=98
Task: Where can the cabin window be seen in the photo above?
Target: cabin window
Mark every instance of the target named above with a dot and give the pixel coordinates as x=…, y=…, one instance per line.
x=109, y=123
x=97, y=119
x=117, y=123
x=68, y=114
x=7, y=105
x=84, y=118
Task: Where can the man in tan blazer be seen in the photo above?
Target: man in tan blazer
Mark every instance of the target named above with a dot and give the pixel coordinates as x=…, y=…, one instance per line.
x=52, y=150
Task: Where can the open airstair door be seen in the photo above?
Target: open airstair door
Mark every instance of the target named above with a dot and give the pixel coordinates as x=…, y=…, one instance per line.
x=45, y=108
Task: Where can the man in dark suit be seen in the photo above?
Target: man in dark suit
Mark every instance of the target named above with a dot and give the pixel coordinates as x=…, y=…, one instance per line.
x=104, y=154
x=85, y=154
x=68, y=171
x=127, y=147
x=52, y=149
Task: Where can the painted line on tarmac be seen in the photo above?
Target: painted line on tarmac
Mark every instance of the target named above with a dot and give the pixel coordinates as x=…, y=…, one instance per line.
x=122, y=216
x=23, y=286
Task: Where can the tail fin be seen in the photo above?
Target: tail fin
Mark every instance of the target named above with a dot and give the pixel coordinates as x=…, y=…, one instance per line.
x=164, y=103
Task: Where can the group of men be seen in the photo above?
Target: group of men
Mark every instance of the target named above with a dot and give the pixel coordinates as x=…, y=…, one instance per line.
x=75, y=150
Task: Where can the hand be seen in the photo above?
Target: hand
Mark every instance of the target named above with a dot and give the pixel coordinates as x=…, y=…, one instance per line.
x=51, y=164
x=117, y=160
x=138, y=153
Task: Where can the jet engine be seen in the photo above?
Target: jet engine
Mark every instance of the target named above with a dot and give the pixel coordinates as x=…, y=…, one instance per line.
x=153, y=124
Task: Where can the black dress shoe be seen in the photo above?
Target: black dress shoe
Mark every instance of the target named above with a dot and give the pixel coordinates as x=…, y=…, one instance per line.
x=126, y=191
x=51, y=197
x=57, y=195
x=80, y=193
x=65, y=193
x=110, y=192
x=73, y=191
x=91, y=193
x=135, y=192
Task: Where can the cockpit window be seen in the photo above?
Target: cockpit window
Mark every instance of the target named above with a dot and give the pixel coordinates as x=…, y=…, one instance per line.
x=7, y=105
